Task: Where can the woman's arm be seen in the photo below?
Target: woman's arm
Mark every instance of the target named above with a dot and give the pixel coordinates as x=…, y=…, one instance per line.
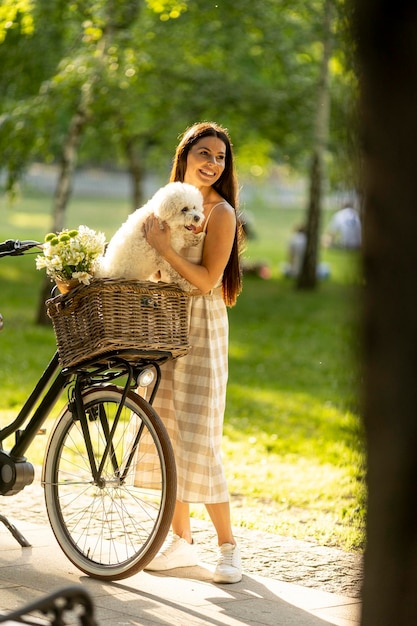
x=217, y=247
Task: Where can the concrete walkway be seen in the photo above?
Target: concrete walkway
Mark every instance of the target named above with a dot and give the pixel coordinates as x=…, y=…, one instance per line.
x=186, y=597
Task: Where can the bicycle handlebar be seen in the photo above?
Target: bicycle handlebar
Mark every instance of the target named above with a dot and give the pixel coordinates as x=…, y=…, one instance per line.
x=14, y=247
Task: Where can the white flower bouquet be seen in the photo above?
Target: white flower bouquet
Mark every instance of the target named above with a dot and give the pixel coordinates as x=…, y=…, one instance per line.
x=71, y=255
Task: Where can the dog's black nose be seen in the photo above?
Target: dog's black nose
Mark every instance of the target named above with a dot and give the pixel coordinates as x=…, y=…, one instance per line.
x=196, y=218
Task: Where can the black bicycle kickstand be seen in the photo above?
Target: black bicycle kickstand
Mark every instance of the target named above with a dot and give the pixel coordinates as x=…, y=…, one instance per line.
x=15, y=532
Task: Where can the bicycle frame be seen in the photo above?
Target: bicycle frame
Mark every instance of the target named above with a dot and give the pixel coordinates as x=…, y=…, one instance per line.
x=99, y=413
x=20, y=473
x=104, y=372
x=25, y=438
x=16, y=472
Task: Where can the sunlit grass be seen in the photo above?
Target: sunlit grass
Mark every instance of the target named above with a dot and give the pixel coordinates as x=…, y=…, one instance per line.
x=293, y=439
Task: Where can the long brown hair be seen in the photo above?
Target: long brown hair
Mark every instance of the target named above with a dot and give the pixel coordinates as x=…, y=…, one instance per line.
x=226, y=186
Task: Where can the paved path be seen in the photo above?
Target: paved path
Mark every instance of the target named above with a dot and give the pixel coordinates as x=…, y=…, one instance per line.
x=184, y=597
x=263, y=554
x=285, y=583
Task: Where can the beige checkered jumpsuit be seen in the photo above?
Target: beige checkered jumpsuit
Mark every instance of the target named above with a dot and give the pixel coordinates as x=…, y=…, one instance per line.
x=192, y=396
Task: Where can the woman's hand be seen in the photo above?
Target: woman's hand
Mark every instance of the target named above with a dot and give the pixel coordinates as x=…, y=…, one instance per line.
x=157, y=234
x=216, y=251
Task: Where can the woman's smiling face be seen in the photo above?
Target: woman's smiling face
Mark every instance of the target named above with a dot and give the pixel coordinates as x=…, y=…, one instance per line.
x=205, y=162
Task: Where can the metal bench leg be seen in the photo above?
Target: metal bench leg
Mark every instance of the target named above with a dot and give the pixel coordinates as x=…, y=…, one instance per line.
x=74, y=600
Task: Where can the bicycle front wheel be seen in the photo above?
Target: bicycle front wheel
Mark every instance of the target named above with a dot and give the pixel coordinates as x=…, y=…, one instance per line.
x=112, y=521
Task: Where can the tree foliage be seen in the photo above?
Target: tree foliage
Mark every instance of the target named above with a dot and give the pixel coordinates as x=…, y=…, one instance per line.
x=116, y=81
x=156, y=66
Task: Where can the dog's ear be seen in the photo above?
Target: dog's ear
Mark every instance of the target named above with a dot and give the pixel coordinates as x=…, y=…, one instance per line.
x=169, y=207
x=160, y=202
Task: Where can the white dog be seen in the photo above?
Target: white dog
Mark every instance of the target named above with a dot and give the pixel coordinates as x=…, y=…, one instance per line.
x=128, y=254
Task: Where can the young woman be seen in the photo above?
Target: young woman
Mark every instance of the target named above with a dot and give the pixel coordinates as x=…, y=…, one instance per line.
x=191, y=398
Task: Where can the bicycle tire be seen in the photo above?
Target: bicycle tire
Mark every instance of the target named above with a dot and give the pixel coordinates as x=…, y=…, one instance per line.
x=110, y=530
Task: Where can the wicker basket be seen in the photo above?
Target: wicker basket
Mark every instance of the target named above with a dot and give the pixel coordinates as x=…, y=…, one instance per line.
x=119, y=314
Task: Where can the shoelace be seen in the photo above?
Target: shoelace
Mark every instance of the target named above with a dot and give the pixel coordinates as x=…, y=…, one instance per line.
x=226, y=556
x=168, y=548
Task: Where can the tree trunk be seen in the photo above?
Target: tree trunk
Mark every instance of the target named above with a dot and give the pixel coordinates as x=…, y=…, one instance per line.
x=63, y=189
x=307, y=278
x=68, y=163
x=136, y=173
x=386, y=36
x=308, y=275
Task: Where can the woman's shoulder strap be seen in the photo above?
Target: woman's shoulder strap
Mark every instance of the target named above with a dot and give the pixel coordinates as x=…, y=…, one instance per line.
x=209, y=215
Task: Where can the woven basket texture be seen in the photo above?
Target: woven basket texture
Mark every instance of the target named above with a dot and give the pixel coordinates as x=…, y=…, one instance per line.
x=119, y=314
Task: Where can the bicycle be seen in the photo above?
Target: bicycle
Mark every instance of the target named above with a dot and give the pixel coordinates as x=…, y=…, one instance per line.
x=109, y=473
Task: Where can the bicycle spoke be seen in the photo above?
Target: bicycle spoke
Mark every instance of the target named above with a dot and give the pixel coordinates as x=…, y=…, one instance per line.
x=112, y=525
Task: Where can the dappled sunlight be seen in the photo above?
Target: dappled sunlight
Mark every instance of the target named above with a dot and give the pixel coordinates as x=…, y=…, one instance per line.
x=36, y=220
x=12, y=274
x=238, y=351
x=298, y=422
x=298, y=465
x=295, y=496
x=293, y=443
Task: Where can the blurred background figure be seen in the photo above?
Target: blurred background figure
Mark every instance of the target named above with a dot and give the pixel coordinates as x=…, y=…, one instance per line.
x=248, y=224
x=296, y=251
x=345, y=229
x=260, y=269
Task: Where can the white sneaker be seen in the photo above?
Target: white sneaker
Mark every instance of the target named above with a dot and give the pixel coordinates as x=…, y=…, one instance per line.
x=176, y=552
x=229, y=569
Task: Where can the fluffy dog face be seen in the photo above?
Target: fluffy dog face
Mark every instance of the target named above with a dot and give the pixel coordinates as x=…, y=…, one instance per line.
x=181, y=206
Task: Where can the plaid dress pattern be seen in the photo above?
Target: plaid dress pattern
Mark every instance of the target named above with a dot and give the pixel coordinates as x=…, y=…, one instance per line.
x=191, y=398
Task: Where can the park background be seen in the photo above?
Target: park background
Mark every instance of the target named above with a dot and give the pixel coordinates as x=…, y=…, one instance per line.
x=293, y=446
x=99, y=92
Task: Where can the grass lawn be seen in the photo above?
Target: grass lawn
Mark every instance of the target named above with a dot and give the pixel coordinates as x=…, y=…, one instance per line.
x=293, y=445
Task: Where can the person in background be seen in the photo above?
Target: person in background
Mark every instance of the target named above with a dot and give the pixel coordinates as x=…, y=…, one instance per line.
x=345, y=228
x=191, y=398
x=296, y=251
